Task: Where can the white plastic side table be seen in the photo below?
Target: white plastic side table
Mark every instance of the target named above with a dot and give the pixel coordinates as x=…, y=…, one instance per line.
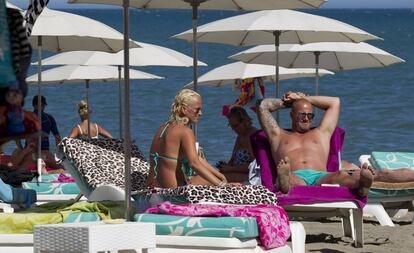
x=94, y=237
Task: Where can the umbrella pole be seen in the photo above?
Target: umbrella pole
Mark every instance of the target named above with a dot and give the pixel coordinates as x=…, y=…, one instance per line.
x=39, y=106
x=194, y=4
x=120, y=100
x=87, y=108
x=127, y=137
x=317, y=54
x=277, y=36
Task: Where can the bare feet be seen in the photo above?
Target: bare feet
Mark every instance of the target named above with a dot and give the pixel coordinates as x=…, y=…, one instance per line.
x=283, y=172
x=365, y=179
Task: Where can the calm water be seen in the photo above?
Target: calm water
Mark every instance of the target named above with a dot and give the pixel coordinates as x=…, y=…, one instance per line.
x=376, y=103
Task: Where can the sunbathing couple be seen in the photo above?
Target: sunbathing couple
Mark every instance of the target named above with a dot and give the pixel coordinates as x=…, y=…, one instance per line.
x=301, y=154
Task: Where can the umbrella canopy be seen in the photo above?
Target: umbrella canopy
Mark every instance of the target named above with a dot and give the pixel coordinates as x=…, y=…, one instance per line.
x=328, y=55
x=258, y=28
x=63, y=31
x=213, y=4
x=146, y=55
x=276, y=26
x=226, y=74
x=76, y=74
x=333, y=55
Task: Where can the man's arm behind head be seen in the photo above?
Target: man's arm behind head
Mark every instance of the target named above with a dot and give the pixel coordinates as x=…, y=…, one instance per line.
x=332, y=106
x=266, y=120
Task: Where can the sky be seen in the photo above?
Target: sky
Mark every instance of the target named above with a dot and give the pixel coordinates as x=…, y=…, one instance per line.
x=354, y=4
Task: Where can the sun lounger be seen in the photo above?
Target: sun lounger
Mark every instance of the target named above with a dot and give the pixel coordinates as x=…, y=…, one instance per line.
x=388, y=199
x=15, y=229
x=84, y=158
x=306, y=201
x=49, y=189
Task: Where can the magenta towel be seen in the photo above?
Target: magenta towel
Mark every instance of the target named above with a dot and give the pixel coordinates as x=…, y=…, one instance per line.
x=65, y=179
x=301, y=194
x=272, y=220
x=315, y=194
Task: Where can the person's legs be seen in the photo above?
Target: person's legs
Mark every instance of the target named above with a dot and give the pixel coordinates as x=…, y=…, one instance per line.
x=402, y=175
x=286, y=179
x=394, y=176
x=359, y=179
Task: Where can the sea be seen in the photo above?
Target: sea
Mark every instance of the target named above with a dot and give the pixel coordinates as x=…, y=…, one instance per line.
x=377, y=109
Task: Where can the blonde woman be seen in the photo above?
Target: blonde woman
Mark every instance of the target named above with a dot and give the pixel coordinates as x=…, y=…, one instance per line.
x=81, y=130
x=174, y=160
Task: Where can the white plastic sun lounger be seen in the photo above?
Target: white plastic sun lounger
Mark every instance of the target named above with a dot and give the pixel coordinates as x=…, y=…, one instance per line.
x=348, y=211
x=22, y=243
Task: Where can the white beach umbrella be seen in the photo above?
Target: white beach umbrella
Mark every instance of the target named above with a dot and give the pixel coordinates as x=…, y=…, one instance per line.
x=87, y=74
x=276, y=26
x=76, y=74
x=327, y=55
x=226, y=74
x=59, y=31
x=209, y=5
x=181, y=4
x=146, y=55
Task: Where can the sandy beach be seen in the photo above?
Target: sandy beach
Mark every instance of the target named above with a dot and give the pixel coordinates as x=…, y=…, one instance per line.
x=326, y=236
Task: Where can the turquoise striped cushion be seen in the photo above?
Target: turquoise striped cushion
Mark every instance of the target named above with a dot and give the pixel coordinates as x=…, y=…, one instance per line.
x=47, y=178
x=76, y=217
x=392, y=160
x=52, y=188
x=239, y=227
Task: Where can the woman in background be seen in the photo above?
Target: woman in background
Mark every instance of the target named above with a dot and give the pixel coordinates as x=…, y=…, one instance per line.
x=81, y=130
x=237, y=168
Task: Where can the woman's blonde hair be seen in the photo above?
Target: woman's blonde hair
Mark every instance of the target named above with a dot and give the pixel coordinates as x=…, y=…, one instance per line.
x=185, y=97
x=83, y=109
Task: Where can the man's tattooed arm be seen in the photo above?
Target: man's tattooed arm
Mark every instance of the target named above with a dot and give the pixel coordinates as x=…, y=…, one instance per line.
x=264, y=112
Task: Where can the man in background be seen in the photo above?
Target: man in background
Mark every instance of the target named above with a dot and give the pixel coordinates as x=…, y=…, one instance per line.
x=48, y=123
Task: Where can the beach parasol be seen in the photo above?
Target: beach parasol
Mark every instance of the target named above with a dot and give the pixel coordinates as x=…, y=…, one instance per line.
x=60, y=31
x=87, y=74
x=278, y=27
x=194, y=5
x=327, y=55
x=146, y=55
x=226, y=74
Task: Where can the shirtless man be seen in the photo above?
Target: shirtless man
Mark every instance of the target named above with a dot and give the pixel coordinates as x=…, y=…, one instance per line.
x=27, y=157
x=301, y=154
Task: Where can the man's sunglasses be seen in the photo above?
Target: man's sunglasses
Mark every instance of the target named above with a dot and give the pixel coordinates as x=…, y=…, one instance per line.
x=303, y=115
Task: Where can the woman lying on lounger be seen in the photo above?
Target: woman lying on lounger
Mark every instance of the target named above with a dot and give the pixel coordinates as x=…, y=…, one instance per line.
x=174, y=159
x=237, y=168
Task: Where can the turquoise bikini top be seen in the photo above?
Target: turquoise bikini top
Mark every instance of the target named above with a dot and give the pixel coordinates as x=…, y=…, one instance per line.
x=185, y=166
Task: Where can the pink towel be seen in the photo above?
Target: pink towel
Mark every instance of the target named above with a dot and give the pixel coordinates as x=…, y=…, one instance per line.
x=272, y=220
x=65, y=179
